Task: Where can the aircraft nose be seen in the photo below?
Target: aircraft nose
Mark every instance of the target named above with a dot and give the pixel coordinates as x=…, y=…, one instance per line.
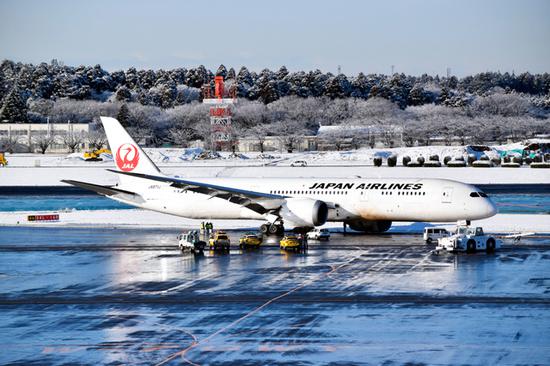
x=490, y=208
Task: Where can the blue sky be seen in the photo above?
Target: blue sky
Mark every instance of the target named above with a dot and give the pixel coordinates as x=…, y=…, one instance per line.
x=417, y=36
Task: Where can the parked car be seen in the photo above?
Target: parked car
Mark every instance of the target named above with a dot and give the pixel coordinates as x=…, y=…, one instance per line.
x=219, y=241
x=432, y=234
x=301, y=163
x=250, y=240
x=318, y=234
x=290, y=242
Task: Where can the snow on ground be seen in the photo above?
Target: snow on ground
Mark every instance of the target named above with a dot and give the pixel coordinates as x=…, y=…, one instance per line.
x=185, y=156
x=52, y=176
x=501, y=223
x=49, y=169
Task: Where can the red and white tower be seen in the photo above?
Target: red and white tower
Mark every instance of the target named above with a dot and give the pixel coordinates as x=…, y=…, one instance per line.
x=220, y=113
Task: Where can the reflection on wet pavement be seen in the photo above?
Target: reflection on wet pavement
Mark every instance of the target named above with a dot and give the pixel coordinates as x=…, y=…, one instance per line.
x=106, y=296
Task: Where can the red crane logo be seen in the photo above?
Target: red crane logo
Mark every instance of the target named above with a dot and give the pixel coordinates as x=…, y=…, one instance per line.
x=127, y=157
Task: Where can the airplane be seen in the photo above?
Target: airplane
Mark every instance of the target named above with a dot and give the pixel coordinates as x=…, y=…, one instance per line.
x=363, y=204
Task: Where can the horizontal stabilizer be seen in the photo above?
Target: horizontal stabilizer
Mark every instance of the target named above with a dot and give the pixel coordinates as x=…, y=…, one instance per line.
x=104, y=190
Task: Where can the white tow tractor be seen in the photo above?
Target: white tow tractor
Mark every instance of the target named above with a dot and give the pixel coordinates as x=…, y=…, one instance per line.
x=190, y=241
x=468, y=239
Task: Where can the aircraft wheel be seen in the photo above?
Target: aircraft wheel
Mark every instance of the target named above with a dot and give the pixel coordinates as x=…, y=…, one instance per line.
x=273, y=229
x=264, y=229
x=280, y=229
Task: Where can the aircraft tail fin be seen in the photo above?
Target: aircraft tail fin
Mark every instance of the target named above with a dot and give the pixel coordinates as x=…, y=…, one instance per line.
x=127, y=154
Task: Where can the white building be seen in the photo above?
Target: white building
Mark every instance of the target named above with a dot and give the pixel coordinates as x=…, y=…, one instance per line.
x=26, y=134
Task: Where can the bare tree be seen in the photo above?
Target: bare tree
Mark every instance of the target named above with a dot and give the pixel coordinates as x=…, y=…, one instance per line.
x=44, y=141
x=236, y=132
x=249, y=114
x=96, y=139
x=388, y=137
x=289, y=133
x=259, y=132
x=73, y=140
x=181, y=136
x=9, y=143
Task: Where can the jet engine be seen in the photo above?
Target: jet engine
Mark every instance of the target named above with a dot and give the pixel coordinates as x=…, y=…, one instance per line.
x=304, y=212
x=370, y=226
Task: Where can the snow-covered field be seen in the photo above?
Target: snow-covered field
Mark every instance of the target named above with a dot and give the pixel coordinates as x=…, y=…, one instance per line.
x=48, y=170
x=195, y=156
x=97, y=174
x=501, y=223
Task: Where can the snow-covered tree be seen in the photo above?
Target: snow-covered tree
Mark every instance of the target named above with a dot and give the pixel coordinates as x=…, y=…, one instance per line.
x=222, y=71
x=123, y=94
x=260, y=133
x=289, y=133
x=14, y=108
x=124, y=116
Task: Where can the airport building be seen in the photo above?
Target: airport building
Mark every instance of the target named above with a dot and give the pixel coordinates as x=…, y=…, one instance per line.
x=25, y=137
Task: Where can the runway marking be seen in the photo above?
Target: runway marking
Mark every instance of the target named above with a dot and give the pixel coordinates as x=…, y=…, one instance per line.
x=183, y=352
x=184, y=285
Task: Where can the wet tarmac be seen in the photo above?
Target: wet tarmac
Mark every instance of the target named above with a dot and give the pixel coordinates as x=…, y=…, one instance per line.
x=115, y=296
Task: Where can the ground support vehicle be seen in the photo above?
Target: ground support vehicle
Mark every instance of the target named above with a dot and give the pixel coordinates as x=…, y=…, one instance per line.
x=250, y=240
x=190, y=241
x=291, y=243
x=95, y=154
x=219, y=241
x=468, y=239
x=299, y=163
x=318, y=234
x=432, y=234
x=3, y=160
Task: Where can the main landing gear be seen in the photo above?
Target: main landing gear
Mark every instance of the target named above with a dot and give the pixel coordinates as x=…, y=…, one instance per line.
x=272, y=229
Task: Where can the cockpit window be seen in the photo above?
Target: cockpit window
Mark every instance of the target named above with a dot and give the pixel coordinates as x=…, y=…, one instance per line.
x=482, y=194
x=474, y=194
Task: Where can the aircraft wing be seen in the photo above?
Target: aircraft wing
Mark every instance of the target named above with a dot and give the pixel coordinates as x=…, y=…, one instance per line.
x=256, y=201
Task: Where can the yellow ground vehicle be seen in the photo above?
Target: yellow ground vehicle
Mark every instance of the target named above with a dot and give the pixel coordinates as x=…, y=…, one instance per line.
x=290, y=242
x=94, y=155
x=3, y=160
x=219, y=241
x=250, y=240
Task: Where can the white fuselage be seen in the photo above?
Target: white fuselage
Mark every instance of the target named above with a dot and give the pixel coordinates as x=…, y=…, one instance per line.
x=348, y=199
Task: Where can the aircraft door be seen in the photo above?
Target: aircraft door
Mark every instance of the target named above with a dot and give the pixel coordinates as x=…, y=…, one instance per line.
x=447, y=195
x=364, y=195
